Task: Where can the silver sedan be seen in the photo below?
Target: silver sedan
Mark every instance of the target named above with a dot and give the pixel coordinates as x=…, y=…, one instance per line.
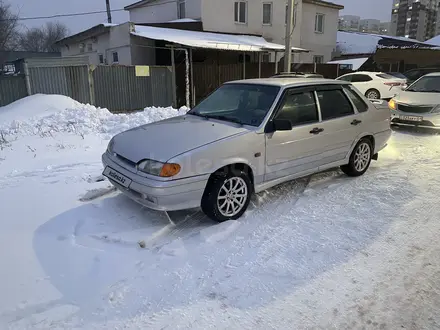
x=244, y=138
x=419, y=104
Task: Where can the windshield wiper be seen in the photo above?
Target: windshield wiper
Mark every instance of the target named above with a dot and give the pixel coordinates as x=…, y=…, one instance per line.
x=225, y=118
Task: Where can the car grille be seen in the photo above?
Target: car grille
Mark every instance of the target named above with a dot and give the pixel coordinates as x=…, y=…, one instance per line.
x=125, y=161
x=414, y=109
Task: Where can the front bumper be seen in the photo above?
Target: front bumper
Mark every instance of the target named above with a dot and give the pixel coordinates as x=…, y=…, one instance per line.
x=429, y=120
x=160, y=195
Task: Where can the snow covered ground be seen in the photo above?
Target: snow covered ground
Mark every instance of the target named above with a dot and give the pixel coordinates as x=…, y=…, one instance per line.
x=326, y=252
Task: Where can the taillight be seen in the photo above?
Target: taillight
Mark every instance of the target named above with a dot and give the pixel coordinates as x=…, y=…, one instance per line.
x=394, y=84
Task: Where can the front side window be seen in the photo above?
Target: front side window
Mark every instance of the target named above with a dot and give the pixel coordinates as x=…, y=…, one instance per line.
x=348, y=77
x=247, y=104
x=426, y=85
x=360, y=105
x=267, y=13
x=299, y=109
x=181, y=12
x=334, y=104
x=240, y=12
x=319, y=23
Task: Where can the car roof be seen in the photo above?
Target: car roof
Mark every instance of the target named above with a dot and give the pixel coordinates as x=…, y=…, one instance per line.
x=289, y=82
x=432, y=74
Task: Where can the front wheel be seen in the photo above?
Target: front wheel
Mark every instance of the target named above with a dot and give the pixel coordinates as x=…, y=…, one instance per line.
x=227, y=196
x=360, y=159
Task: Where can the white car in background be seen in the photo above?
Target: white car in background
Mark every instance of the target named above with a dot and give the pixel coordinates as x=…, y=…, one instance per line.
x=375, y=85
x=419, y=104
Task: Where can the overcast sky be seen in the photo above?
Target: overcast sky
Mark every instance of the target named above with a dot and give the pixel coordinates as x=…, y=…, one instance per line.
x=379, y=9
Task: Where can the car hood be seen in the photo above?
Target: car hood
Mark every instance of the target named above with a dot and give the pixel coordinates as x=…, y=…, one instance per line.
x=416, y=98
x=168, y=138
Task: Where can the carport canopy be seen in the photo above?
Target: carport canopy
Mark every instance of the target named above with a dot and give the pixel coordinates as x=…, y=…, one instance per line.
x=210, y=40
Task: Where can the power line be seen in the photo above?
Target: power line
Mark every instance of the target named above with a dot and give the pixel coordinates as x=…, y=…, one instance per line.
x=59, y=15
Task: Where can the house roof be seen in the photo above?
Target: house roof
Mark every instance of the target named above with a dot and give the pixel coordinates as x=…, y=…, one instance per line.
x=209, y=40
x=315, y=2
x=324, y=4
x=138, y=4
x=434, y=41
x=93, y=31
x=352, y=43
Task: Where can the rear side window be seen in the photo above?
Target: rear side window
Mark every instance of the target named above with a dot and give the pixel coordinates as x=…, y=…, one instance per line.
x=299, y=108
x=361, y=78
x=360, y=105
x=334, y=104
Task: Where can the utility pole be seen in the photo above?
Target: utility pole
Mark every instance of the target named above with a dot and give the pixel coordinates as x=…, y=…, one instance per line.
x=109, y=13
x=289, y=30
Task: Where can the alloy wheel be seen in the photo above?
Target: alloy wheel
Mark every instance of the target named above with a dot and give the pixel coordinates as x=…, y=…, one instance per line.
x=362, y=157
x=232, y=196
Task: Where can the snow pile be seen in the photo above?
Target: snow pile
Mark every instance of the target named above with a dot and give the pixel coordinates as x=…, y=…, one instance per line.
x=47, y=114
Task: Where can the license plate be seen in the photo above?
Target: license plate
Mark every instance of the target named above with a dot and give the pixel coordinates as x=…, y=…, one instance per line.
x=116, y=176
x=411, y=118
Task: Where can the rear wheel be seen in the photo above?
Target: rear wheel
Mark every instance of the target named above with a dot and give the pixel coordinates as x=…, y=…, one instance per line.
x=373, y=94
x=360, y=158
x=227, y=196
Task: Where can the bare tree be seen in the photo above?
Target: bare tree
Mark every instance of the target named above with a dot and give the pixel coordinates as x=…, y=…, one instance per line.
x=43, y=39
x=8, y=27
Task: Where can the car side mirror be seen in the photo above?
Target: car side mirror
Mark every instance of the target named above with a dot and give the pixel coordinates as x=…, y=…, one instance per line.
x=282, y=125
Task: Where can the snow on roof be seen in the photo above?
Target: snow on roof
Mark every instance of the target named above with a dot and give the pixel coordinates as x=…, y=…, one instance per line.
x=184, y=20
x=355, y=62
x=197, y=39
x=350, y=43
x=434, y=41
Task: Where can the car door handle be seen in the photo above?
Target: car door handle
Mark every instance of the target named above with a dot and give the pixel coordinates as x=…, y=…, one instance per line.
x=356, y=122
x=316, y=130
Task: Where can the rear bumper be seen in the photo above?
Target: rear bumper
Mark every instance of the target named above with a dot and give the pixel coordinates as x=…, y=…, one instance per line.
x=160, y=195
x=381, y=140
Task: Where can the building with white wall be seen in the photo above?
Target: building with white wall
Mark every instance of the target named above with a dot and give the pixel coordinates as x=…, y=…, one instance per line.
x=349, y=23
x=315, y=21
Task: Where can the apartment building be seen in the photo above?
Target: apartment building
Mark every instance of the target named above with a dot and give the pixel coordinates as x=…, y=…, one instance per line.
x=415, y=19
x=349, y=23
x=315, y=21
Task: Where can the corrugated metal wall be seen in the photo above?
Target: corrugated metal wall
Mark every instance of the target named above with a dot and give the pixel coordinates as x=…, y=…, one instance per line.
x=12, y=89
x=71, y=81
x=119, y=89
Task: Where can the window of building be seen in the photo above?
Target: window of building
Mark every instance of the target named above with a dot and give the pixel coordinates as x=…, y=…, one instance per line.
x=267, y=13
x=334, y=104
x=81, y=48
x=360, y=105
x=115, y=57
x=265, y=58
x=181, y=10
x=101, y=58
x=319, y=59
x=319, y=23
x=240, y=12
x=299, y=109
x=89, y=47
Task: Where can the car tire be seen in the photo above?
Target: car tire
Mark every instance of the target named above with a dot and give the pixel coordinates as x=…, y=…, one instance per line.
x=360, y=158
x=227, y=195
x=372, y=94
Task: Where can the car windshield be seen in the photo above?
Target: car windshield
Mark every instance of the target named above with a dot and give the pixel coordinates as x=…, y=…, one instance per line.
x=426, y=85
x=247, y=104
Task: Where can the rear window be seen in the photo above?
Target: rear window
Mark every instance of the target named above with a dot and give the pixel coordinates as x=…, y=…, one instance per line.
x=360, y=105
x=385, y=76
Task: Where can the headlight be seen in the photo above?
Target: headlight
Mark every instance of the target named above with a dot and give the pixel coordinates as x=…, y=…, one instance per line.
x=158, y=169
x=110, y=146
x=392, y=104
